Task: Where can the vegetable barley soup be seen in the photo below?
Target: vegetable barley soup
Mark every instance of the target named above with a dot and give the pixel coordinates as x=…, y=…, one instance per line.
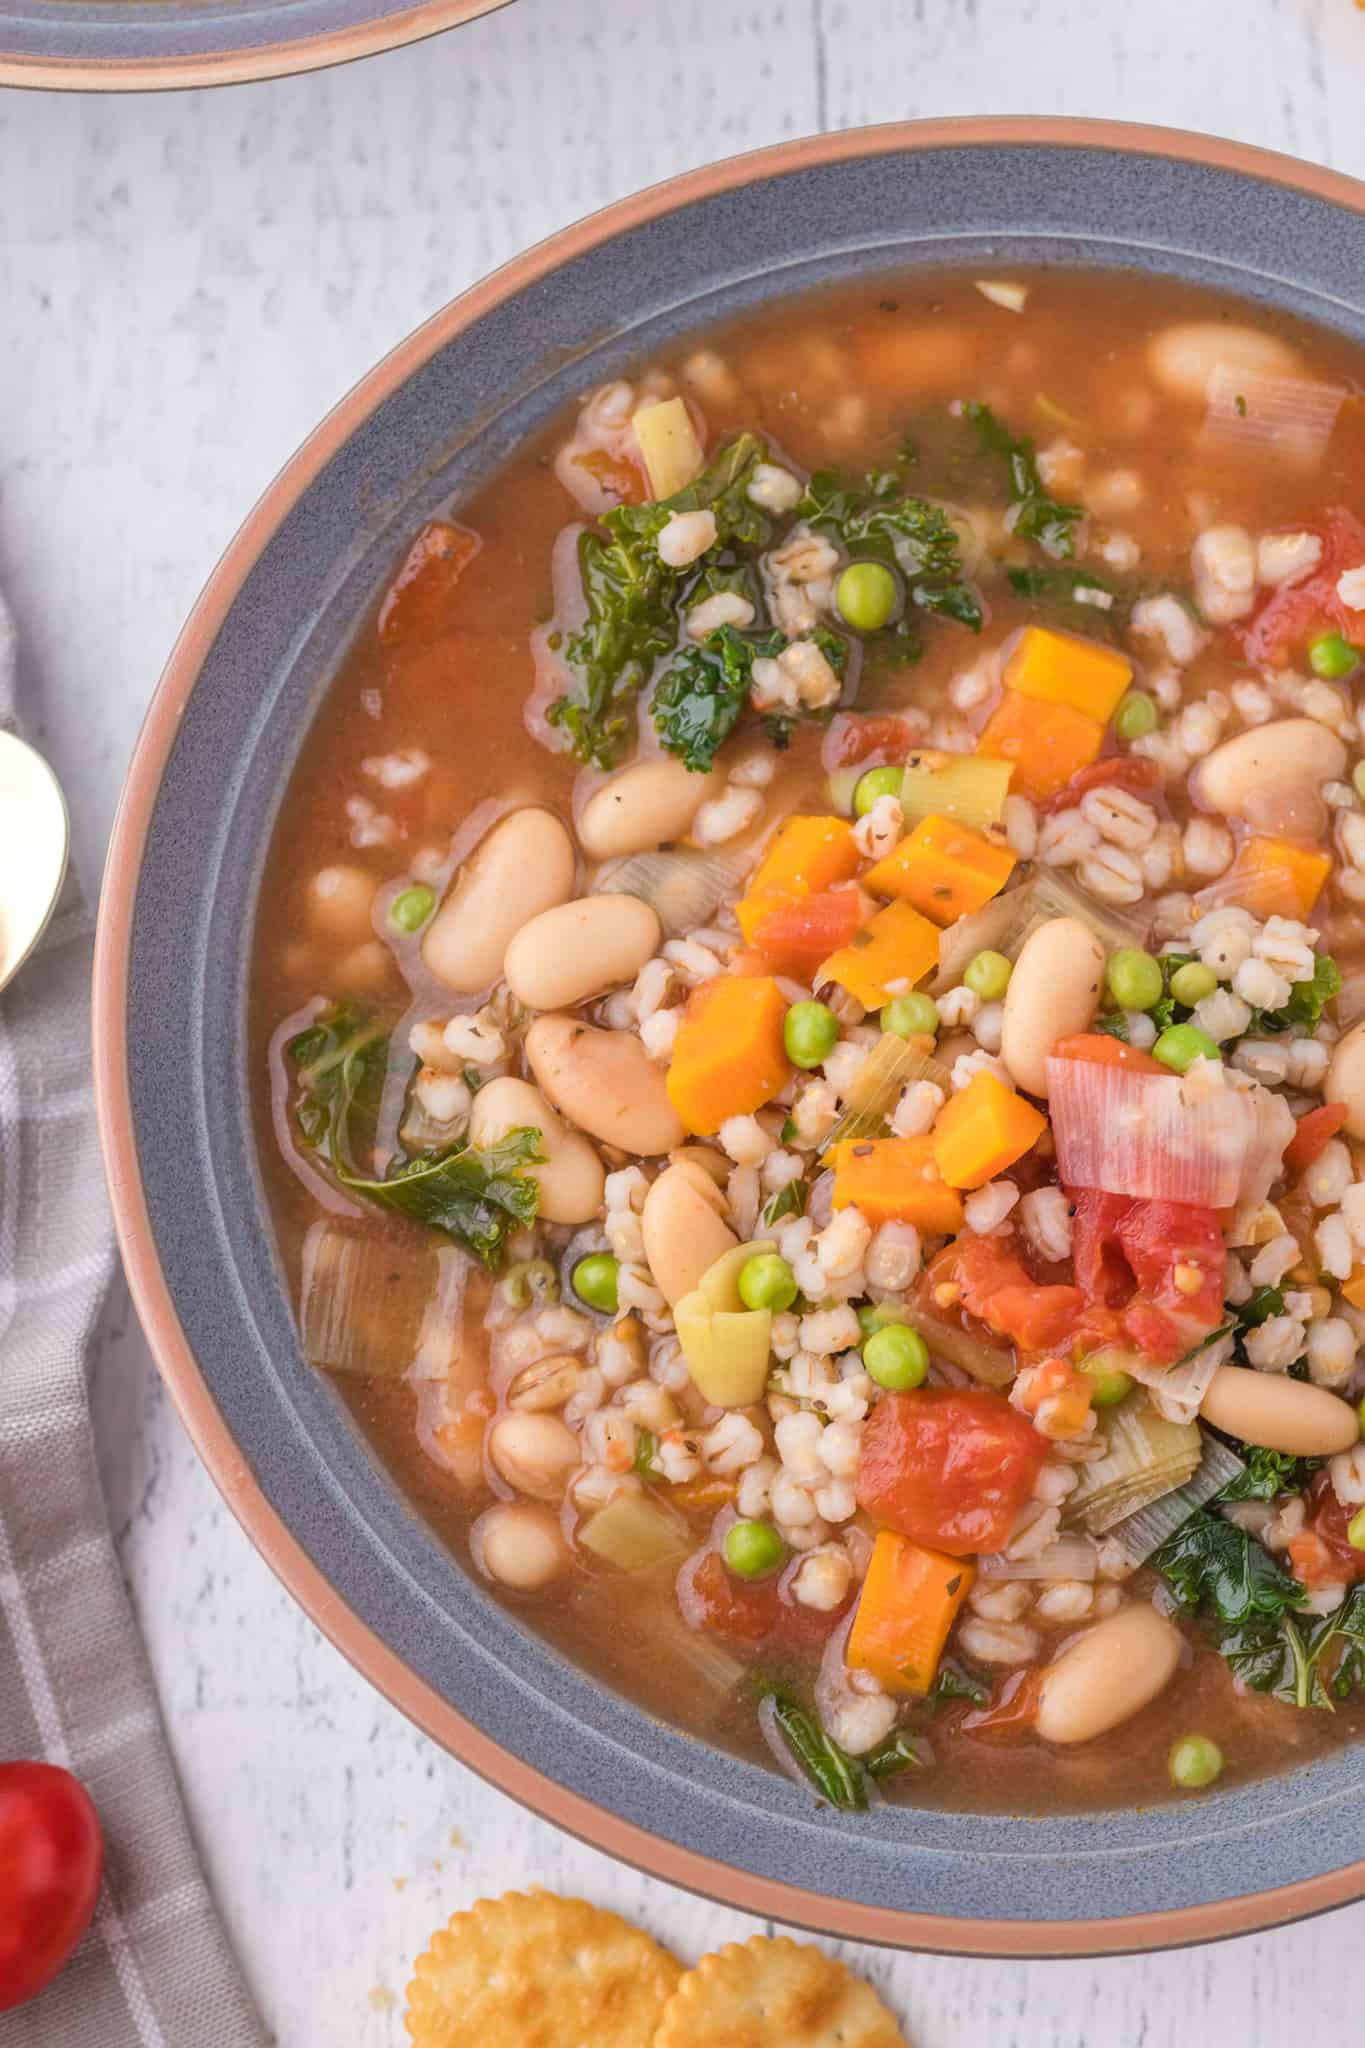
x=807, y=1011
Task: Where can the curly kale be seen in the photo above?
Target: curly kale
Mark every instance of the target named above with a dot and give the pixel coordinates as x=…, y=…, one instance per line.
x=1037, y=516
x=476, y=1196
x=876, y=519
x=632, y=595
x=700, y=697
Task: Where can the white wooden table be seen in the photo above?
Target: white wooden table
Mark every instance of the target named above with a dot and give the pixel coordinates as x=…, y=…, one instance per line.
x=188, y=283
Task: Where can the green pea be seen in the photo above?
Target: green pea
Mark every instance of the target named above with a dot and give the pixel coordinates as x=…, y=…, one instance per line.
x=410, y=911
x=1107, y=1386
x=876, y=782
x=896, y=1357
x=810, y=1032
x=988, y=975
x=1134, y=978
x=753, y=1548
x=866, y=595
x=595, y=1281
x=1136, y=716
x=875, y=1315
x=1180, y=1045
x=767, y=1281
x=1355, y=1530
x=1192, y=982
x=1195, y=1761
x=1332, y=656
x=910, y=1016
x=1360, y=1413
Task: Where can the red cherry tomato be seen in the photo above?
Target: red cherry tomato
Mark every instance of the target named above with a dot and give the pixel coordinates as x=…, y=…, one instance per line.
x=998, y=1289
x=1115, y=771
x=796, y=937
x=1161, y=1264
x=948, y=1469
x=1313, y=1133
x=51, y=1861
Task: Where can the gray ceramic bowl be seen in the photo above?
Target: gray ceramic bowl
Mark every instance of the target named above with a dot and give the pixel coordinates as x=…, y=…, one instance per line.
x=230, y=716
x=142, y=45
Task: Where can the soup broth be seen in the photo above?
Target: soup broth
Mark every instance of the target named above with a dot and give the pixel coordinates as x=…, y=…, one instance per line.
x=803, y=1008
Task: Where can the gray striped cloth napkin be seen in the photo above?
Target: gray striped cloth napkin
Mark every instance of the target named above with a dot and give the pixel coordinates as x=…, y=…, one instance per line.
x=75, y=1687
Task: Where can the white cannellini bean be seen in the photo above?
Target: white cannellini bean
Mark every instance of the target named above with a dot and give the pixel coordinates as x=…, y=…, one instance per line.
x=578, y=950
x=1282, y=1414
x=1183, y=358
x=606, y=1083
x=1054, y=991
x=1346, y=1078
x=1285, y=762
x=570, y=1176
x=684, y=1228
x=1115, y=1670
x=643, y=808
x=340, y=901
x=534, y=1452
x=523, y=866
x=519, y=1546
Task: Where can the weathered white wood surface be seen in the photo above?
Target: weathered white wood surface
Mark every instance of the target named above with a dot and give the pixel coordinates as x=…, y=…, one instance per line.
x=188, y=283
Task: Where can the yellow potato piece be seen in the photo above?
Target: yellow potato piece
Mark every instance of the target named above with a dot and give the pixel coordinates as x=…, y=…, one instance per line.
x=668, y=442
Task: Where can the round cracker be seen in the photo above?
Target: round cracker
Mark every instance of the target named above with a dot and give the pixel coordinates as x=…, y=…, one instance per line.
x=531, y=1970
x=753, y=1994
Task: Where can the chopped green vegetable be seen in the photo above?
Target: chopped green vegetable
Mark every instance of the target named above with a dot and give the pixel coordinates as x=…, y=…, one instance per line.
x=595, y=1282
x=874, y=783
x=1136, y=716
x=1180, y=1045
x=810, y=1032
x=1037, y=515
x=912, y=1016
x=873, y=519
x=899, y=1752
x=1267, y=1474
x=479, y=1197
x=410, y=910
x=631, y=596
x=1211, y=1563
x=788, y=1201
x=646, y=1451
x=953, y=1683
x=837, y=1777
x=896, y=1357
x=701, y=697
x=1192, y=982
x=752, y=1549
x=866, y=595
x=1307, y=1001
x=987, y=975
x=1332, y=656
x=1135, y=979
x=1195, y=1761
x=767, y=1281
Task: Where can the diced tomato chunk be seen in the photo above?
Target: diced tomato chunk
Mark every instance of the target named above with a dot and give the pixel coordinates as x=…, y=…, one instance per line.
x=1322, y=1554
x=418, y=604
x=796, y=937
x=712, y=1597
x=1114, y=771
x=1161, y=1264
x=866, y=741
x=997, y=1288
x=1313, y=1133
x=1293, y=613
x=948, y=1469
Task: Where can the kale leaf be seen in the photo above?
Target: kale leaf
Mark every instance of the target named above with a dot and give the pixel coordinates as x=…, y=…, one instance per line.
x=874, y=519
x=700, y=697
x=788, y=1201
x=1268, y=1474
x=1272, y=1655
x=1343, y=1632
x=837, y=1776
x=342, y=1059
x=1037, y=516
x=895, y=1754
x=1211, y=1563
x=953, y=1683
x=1057, y=592
x=631, y=596
x=1307, y=1000
x=479, y=1197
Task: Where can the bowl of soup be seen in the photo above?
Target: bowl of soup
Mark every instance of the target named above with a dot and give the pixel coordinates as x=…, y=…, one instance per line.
x=154, y=45
x=728, y=1033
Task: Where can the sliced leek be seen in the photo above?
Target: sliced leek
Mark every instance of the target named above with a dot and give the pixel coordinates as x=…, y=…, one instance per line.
x=990, y=1364
x=728, y=1347
x=969, y=787
x=635, y=1532
x=377, y=1308
x=684, y=888
x=1072, y=1556
x=1139, y=1534
x=885, y=1074
x=1145, y=1456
